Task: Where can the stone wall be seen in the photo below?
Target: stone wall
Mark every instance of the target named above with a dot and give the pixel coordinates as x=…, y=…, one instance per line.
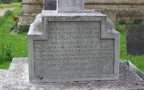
x=30, y=8
x=115, y=9
x=118, y=9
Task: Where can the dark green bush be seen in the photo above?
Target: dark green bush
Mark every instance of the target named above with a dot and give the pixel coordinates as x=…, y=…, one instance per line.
x=5, y=1
x=121, y=27
x=121, y=22
x=9, y=1
x=8, y=13
x=16, y=0
x=23, y=28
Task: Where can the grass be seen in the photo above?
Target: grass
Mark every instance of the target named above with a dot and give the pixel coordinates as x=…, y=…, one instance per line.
x=18, y=41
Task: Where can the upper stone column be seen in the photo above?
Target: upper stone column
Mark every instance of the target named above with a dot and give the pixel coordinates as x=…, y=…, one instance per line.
x=64, y=5
x=70, y=5
x=50, y=4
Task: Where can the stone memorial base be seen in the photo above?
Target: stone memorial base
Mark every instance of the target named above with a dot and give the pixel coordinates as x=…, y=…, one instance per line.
x=17, y=78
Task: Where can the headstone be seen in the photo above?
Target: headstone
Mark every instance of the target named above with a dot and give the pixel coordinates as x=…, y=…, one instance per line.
x=72, y=45
x=135, y=38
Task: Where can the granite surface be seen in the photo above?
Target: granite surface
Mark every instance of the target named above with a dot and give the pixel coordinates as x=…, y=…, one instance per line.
x=77, y=46
x=16, y=78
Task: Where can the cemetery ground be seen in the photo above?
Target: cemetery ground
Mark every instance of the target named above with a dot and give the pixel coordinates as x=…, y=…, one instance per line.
x=15, y=45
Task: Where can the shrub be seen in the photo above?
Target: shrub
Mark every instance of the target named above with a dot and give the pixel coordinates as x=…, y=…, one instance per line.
x=5, y=52
x=5, y=21
x=121, y=22
x=23, y=28
x=120, y=27
x=8, y=13
x=16, y=0
x=5, y=1
x=9, y=1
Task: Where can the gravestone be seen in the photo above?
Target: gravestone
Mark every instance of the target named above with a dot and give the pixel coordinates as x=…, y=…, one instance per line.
x=72, y=44
x=135, y=38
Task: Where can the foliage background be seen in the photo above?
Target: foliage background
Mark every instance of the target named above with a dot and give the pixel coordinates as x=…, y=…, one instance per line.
x=9, y=1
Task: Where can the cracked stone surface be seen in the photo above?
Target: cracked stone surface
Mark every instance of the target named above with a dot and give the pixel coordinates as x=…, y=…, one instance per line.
x=16, y=78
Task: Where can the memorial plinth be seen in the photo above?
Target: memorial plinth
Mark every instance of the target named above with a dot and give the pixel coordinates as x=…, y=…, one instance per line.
x=70, y=45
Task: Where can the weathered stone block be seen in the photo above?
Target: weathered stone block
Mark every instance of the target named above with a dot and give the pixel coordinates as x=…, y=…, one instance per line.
x=73, y=47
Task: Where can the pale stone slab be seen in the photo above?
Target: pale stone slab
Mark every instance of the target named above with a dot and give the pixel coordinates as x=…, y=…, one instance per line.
x=17, y=78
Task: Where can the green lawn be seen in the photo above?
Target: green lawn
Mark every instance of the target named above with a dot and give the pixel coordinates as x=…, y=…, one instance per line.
x=19, y=42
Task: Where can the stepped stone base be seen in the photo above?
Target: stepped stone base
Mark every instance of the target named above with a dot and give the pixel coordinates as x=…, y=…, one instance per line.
x=16, y=78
